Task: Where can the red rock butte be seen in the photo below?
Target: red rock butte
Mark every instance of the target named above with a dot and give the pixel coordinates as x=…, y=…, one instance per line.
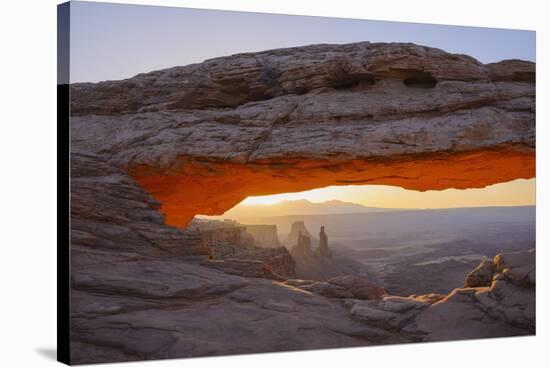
x=203, y=137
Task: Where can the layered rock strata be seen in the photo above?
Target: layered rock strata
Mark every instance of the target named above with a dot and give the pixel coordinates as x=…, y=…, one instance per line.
x=140, y=290
x=150, y=152
x=229, y=240
x=300, y=118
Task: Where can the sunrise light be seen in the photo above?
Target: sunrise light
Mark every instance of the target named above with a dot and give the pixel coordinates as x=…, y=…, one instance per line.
x=517, y=192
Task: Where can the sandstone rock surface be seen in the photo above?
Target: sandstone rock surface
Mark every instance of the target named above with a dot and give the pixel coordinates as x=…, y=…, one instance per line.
x=518, y=267
x=300, y=118
x=347, y=286
x=505, y=307
x=139, y=291
x=391, y=312
x=114, y=219
x=244, y=268
x=154, y=150
x=231, y=240
x=481, y=276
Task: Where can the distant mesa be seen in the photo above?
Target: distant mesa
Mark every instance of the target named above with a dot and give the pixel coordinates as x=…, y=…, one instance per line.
x=228, y=230
x=296, y=229
x=299, y=207
x=303, y=248
x=265, y=235
x=237, y=251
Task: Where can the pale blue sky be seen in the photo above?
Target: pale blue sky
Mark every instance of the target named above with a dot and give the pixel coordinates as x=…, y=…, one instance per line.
x=115, y=41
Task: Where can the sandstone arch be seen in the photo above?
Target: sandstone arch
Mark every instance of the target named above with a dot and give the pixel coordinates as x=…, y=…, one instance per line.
x=203, y=137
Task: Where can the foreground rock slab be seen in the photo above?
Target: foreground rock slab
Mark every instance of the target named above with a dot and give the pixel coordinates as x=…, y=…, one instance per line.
x=505, y=307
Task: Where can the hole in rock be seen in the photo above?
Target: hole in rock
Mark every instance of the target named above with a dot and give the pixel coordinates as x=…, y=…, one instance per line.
x=420, y=80
x=350, y=81
x=212, y=188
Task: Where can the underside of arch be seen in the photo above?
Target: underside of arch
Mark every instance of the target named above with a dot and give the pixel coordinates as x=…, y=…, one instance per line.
x=203, y=137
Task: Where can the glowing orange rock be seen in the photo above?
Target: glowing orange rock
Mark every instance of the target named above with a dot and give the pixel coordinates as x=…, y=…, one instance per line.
x=204, y=192
x=203, y=137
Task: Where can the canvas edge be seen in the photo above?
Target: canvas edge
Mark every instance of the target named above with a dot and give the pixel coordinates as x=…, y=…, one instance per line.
x=63, y=184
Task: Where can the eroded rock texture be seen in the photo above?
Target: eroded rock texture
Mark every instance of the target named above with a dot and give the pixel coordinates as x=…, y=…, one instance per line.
x=505, y=306
x=114, y=219
x=201, y=138
x=143, y=290
x=231, y=244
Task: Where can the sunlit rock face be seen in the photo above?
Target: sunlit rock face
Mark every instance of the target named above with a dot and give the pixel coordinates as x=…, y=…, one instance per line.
x=201, y=138
x=505, y=305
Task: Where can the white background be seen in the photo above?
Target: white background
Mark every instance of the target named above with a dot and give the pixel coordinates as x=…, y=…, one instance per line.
x=28, y=182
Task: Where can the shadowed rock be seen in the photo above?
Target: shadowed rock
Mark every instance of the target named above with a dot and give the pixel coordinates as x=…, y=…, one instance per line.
x=138, y=291
x=200, y=138
x=245, y=268
x=347, y=286
x=505, y=307
x=482, y=276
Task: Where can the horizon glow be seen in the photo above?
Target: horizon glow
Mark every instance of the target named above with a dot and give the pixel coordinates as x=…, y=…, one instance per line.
x=514, y=193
